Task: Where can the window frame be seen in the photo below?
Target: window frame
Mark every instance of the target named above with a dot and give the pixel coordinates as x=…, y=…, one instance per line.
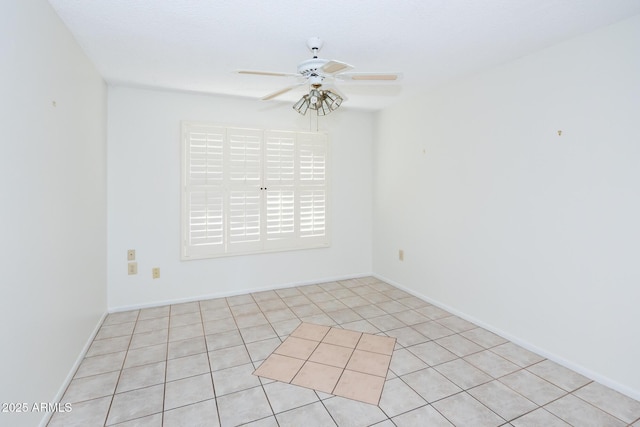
x=286, y=205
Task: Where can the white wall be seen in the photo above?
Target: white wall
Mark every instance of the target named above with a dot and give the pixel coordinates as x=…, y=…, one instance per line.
x=53, y=204
x=532, y=234
x=144, y=199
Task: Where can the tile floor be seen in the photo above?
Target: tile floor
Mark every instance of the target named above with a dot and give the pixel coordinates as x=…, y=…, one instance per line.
x=192, y=365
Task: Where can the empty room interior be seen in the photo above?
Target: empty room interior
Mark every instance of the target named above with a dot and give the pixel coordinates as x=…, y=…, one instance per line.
x=443, y=230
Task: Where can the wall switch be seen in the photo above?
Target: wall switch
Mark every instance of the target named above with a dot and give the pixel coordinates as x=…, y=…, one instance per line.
x=132, y=268
x=401, y=255
x=131, y=255
x=155, y=272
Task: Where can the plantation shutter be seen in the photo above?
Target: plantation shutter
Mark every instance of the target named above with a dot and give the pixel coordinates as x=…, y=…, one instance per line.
x=244, y=194
x=313, y=187
x=250, y=191
x=203, y=193
x=280, y=179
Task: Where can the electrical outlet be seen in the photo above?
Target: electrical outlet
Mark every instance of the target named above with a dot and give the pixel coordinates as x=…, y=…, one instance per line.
x=155, y=272
x=131, y=255
x=132, y=268
x=401, y=255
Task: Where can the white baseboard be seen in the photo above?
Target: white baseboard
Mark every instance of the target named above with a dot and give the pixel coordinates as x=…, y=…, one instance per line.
x=58, y=397
x=234, y=293
x=595, y=376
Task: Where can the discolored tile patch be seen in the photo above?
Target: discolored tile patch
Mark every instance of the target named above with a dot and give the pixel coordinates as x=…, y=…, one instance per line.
x=332, y=360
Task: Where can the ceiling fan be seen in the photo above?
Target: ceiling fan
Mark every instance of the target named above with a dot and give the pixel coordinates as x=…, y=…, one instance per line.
x=318, y=73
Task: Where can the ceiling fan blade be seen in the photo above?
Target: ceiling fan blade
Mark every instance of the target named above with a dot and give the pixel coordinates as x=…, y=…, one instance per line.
x=281, y=91
x=370, y=76
x=267, y=73
x=333, y=67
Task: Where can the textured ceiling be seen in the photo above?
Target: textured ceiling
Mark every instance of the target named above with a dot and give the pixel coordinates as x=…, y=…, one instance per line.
x=195, y=45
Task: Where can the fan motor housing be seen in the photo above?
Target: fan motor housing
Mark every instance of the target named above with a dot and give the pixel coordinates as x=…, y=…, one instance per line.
x=311, y=66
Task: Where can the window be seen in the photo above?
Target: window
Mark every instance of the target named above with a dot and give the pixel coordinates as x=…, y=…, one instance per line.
x=249, y=190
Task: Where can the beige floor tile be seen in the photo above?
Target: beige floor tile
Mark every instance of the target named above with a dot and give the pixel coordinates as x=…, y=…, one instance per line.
x=188, y=391
x=135, y=404
x=577, y=412
x=109, y=345
x=483, y=337
x=369, y=363
x=351, y=413
x=502, y=400
x=216, y=326
x=558, y=375
x=332, y=355
x=313, y=415
x=297, y=347
x=154, y=312
x=423, y=416
x=430, y=384
x=257, y=333
x=121, y=317
x=318, y=377
x=187, y=366
x=92, y=387
x=185, y=307
x=284, y=397
x=310, y=331
x=180, y=333
x=100, y=364
x=398, y=398
x=361, y=326
x=240, y=309
x=376, y=344
x=141, y=376
x=459, y=345
x=187, y=347
x=517, y=354
x=117, y=330
x=228, y=357
x=234, y=409
x=532, y=387
x=280, y=368
x=146, y=339
x=386, y=322
x=185, y=319
x=88, y=413
x=146, y=355
x=538, y=418
x=284, y=328
x=492, y=364
x=342, y=337
x=463, y=410
x=617, y=404
x=260, y=350
x=240, y=300
x=223, y=340
x=403, y=362
x=280, y=315
x=235, y=379
x=432, y=353
x=463, y=374
x=151, y=324
x=358, y=386
x=249, y=320
x=201, y=414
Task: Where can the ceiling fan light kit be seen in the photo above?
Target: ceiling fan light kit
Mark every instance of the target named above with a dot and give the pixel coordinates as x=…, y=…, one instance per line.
x=314, y=72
